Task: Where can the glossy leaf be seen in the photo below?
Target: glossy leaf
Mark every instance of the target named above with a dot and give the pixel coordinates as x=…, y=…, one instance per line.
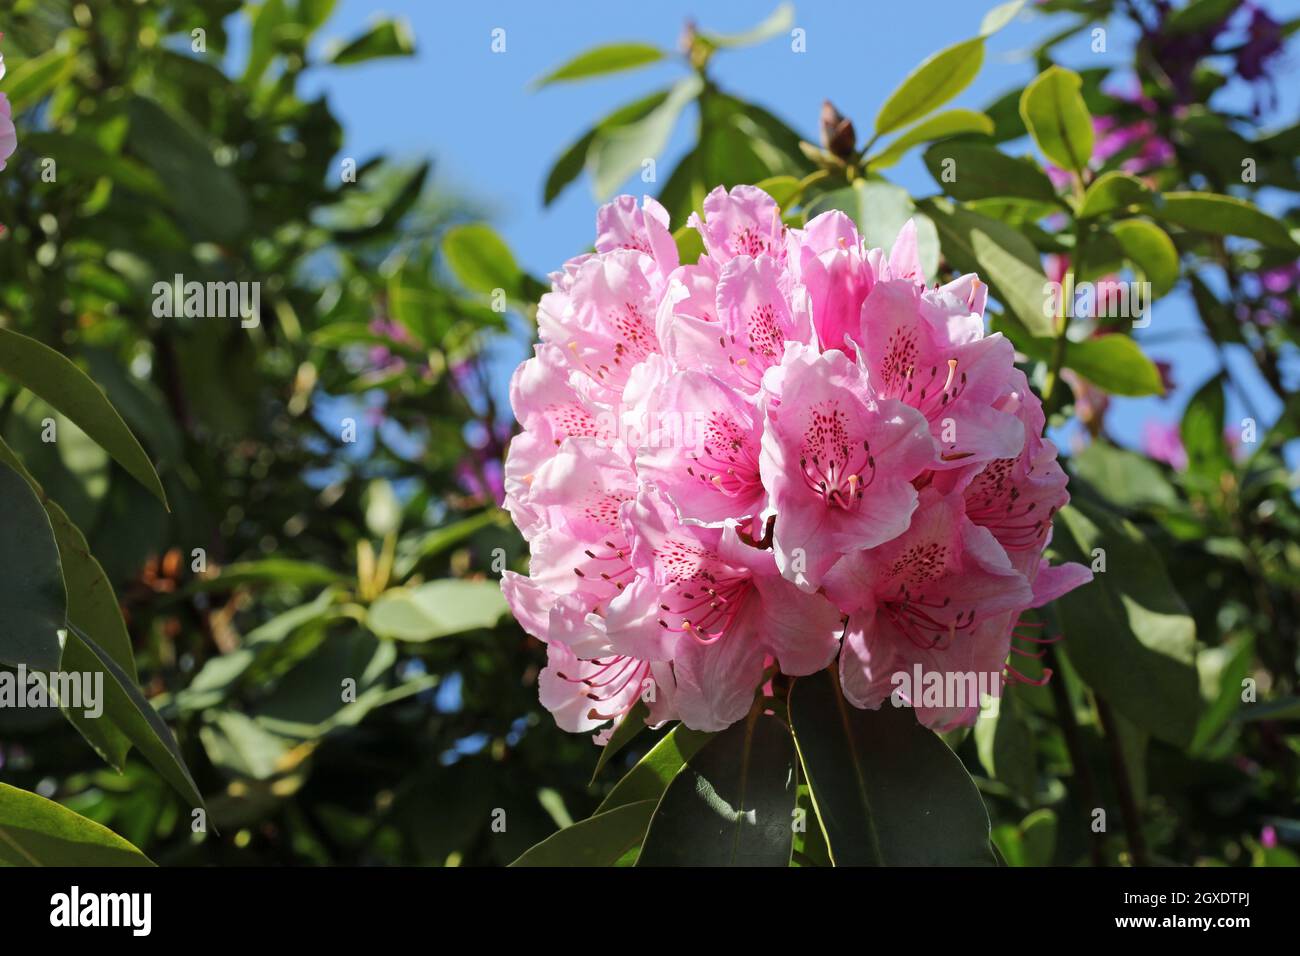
x=1113, y=191
x=481, y=260
x=39, y=832
x=1151, y=250
x=1055, y=114
x=1128, y=633
x=600, y=840
x=33, y=602
x=1224, y=216
x=618, y=152
x=941, y=125
x=1000, y=255
x=732, y=804
x=888, y=791
x=937, y=80
x=657, y=768
x=436, y=609
x=976, y=171
x=58, y=381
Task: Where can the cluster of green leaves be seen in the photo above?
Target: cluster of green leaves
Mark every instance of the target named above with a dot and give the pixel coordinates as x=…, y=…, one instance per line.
x=342, y=662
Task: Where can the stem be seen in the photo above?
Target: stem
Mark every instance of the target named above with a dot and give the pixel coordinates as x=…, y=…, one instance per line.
x=1073, y=743
x=1124, y=783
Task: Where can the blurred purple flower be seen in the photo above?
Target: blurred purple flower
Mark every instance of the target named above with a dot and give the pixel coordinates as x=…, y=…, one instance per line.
x=381, y=357
x=1163, y=442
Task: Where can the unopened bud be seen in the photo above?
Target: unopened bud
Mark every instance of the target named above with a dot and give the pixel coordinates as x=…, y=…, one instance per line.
x=838, y=135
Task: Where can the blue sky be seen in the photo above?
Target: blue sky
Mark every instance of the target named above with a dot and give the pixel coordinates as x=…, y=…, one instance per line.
x=494, y=139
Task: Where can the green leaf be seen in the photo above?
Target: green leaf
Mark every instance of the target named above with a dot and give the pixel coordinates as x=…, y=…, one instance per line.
x=572, y=160
x=777, y=22
x=39, y=832
x=386, y=38
x=1151, y=251
x=33, y=602
x=732, y=804
x=1128, y=633
x=690, y=244
x=979, y=171
x=600, y=840
x=1006, y=746
x=33, y=79
x=1032, y=843
x=887, y=790
x=1056, y=116
x=1114, y=190
x=880, y=210
x=1198, y=15
x=1124, y=478
x=1112, y=362
x=652, y=774
x=266, y=21
x=436, y=609
x=209, y=198
x=631, y=725
x=132, y=714
x=58, y=381
x=1000, y=16
x=941, y=125
x=1202, y=433
x=619, y=151
x=609, y=58
x=1000, y=254
x=937, y=80
x=1223, y=216
x=784, y=189
x=481, y=260
x=1115, y=363
x=269, y=571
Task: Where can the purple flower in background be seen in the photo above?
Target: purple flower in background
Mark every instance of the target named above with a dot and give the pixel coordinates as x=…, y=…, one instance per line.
x=381, y=357
x=1163, y=442
x=1263, y=44
x=1273, y=292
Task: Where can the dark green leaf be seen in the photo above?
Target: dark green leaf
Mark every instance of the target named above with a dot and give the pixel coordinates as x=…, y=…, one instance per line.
x=979, y=172
x=1002, y=257
x=647, y=780
x=1128, y=633
x=732, y=804
x=386, y=38
x=940, y=126
x=1223, y=216
x=600, y=840
x=39, y=832
x=888, y=791
x=58, y=381
x=33, y=602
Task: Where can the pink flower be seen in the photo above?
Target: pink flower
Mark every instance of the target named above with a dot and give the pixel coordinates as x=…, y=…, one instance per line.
x=838, y=463
x=8, y=134
x=727, y=466
x=1164, y=442
x=923, y=598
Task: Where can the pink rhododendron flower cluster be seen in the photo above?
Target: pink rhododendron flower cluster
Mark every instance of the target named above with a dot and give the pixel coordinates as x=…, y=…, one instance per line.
x=789, y=450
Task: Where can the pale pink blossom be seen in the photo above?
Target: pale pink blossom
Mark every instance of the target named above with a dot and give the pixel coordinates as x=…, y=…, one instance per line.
x=789, y=451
